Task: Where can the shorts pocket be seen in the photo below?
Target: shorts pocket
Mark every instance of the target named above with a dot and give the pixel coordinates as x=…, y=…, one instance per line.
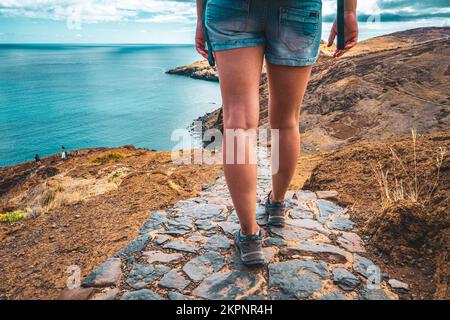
x=299, y=27
x=228, y=16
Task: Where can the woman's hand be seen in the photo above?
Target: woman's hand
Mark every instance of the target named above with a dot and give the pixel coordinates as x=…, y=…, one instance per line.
x=351, y=33
x=200, y=43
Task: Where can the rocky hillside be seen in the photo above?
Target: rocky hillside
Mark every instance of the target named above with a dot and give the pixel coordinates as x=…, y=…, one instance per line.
x=81, y=212
x=382, y=89
x=411, y=236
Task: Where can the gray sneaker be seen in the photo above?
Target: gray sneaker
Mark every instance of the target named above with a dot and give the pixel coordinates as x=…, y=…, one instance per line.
x=250, y=248
x=276, y=212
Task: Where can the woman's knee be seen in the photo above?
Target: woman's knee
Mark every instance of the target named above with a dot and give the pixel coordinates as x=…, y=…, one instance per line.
x=284, y=122
x=240, y=117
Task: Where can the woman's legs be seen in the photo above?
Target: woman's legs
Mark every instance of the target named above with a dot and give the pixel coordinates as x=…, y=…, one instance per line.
x=240, y=73
x=287, y=86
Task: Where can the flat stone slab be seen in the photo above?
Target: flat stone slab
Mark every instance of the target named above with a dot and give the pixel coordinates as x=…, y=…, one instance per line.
x=276, y=242
x=301, y=213
x=203, y=266
x=143, y=294
x=173, y=280
x=291, y=233
x=107, y=274
x=340, y=223
x=373, y=294
x=183, y=223
x=221, y=201
x=229, y=285
x=218, y=242
x=331, y=194
x=335, y=295
x=173, y=295
x=269, y=254
x=346, y=280
x=204, y=224
x=142, y=275
x=229, y=228
x=310, y=247
x=180, y=246
x=136, y=245
x=160, y=239
x=233, y=217
x=160, y=256
x=204, y=211
x=304, y=195
x=398, y=285
x=364, y=266
x=351, y=242
x=309, y=224
x=196, y=237
x=327, y=209
x=296, y=279
x=155, y=221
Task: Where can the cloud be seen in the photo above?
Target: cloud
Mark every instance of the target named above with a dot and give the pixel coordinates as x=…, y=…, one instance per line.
x=394, y=10
x=102, y=10
x=183, y=11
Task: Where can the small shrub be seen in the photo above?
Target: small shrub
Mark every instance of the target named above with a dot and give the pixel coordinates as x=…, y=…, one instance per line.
x=12, y=217
x=109, y=157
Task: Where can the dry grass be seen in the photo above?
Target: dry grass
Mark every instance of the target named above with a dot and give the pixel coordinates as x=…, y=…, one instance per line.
x=64, y=190
x=111, y=157
x=398, y=182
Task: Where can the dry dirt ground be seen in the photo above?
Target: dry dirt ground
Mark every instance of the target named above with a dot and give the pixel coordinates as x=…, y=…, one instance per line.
x=93, y=210
x=409, y=238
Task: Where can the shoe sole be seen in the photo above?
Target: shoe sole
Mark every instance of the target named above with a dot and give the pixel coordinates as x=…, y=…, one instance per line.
x=252, y=262
x=276, y=221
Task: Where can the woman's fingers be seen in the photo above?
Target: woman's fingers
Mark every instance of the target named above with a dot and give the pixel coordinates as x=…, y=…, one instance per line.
x=349, y=45
x=200, y=46
x=331, y=37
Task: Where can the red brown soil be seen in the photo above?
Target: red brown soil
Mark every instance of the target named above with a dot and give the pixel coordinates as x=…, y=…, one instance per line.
x=35, y=253
x=410, y=239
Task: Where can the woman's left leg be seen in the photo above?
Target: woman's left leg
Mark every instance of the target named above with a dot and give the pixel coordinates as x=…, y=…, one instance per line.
x=287, y=86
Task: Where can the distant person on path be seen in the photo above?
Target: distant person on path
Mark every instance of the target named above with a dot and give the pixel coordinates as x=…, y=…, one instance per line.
x=37, y=159
x=63, y=153
x=240, y=34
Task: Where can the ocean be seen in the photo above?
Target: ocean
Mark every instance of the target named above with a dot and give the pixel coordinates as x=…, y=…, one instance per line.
x=81, y=96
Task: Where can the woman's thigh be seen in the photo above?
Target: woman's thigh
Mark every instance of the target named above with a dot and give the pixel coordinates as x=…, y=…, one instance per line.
x=240, y=74
x=287, y=86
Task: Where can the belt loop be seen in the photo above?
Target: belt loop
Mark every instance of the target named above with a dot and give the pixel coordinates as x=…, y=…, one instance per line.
x=211, y=59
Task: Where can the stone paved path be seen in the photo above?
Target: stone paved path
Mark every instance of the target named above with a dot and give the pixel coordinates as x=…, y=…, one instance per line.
x=187, y=252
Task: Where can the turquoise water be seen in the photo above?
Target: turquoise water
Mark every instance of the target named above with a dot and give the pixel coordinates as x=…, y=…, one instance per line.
x=87, y=96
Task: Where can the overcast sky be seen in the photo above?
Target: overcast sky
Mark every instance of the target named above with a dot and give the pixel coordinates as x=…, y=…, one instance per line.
x=164, y=21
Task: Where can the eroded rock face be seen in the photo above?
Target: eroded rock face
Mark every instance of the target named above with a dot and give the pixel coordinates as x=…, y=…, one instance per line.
x=187, y=252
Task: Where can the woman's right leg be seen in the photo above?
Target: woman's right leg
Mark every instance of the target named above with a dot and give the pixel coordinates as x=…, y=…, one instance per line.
x=240, y=74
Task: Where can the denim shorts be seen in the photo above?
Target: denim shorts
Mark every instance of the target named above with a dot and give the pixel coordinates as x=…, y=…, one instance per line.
x=290, y=30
